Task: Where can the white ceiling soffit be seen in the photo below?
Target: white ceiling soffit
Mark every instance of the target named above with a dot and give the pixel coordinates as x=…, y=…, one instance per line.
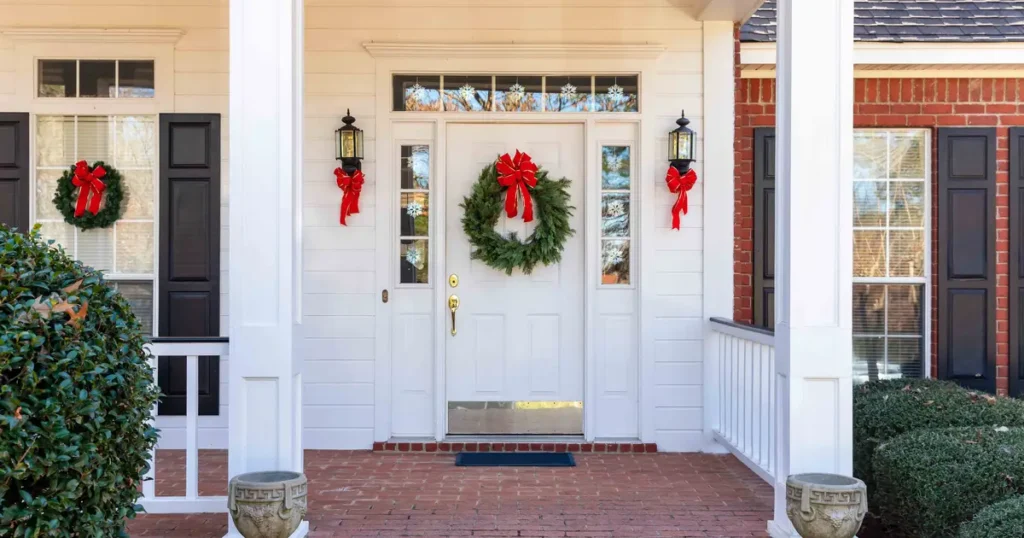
x=725, y=10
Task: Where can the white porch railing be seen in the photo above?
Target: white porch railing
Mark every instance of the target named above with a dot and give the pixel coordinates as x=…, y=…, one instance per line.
x=191, y=348
x=746, y=394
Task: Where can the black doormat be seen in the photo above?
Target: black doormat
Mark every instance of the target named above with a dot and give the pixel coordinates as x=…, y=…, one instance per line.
x=514, y=459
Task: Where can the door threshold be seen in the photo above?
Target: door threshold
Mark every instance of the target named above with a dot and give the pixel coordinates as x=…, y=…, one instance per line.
x=516, y=443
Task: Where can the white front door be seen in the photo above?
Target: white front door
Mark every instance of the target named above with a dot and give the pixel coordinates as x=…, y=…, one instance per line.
x=520, y=337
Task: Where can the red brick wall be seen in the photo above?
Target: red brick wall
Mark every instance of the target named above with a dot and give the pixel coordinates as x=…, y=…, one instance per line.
x=888, y=103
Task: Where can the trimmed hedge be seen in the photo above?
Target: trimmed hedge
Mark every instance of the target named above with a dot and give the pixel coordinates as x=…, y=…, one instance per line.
x=76, y=392
x=929, y=482
x=1004, y=519
x=881, y=411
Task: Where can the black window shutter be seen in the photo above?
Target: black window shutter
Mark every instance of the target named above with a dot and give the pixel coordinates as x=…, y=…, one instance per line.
x=189, y=252
x=967, y=241
x=764, y=227
x=1017, y=261
x=14, y=167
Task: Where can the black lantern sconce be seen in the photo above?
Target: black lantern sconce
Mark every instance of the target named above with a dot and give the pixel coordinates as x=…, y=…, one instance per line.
x=348, y=145
x=681, y=145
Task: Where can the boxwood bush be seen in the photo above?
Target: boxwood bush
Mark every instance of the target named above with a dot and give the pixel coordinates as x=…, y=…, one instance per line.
x=884, y=409
x=929, y=482
x=75, y=396
x=1004, y=519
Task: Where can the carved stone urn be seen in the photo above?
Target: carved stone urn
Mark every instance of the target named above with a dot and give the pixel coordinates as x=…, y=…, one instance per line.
x=826, y=505
x=268, y=504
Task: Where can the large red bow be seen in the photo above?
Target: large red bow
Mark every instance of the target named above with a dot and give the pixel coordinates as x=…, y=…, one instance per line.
x=519, y=174
x=680, y=183
x=89, y=183
x=351, y=186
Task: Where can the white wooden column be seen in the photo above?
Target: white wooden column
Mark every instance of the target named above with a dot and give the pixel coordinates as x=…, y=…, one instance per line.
x=814, y=155
x=265, y=133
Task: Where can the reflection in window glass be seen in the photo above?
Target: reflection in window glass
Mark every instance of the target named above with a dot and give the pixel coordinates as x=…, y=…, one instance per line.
x=616, y=94
x=615, y=167
x=417, y=93
x=414, y=261
x=518, y=94
x=615, y=261
x=415, y=169
x=567, y=94
x=57, y=78
x=615, y=214
x=97, y=78
x=136, y=79
x=888, y=339
x=139, y=295
x=616, y=196
x=414, y=215
x=467, y=93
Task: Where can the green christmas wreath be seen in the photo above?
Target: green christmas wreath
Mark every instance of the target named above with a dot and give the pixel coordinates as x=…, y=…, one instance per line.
x=90, y=197
x=484, y=206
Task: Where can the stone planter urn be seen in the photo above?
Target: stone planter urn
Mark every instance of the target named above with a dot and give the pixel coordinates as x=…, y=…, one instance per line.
x=268, y=504
x=826, y=505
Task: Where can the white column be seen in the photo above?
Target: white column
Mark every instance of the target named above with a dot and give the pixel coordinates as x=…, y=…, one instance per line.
x=813, y=159
x=718, y=173
x=265, y=122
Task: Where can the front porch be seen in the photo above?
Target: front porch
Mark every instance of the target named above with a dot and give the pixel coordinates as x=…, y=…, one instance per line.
x=361, y=493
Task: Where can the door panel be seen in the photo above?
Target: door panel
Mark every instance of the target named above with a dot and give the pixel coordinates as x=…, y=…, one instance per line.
x=519, y=337
x=14, y=167
x=764, y=227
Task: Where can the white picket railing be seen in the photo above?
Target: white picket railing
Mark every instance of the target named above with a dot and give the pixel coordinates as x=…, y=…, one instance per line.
x=746, y=394
x=191, y=502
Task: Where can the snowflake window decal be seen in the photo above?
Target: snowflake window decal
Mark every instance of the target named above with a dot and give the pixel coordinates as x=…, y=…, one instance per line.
x=615, y=255
x=516, y=92
x=568, y=91
x=616, y=209
x=616, y=92
x=417, y=90
x=414, y=209
x=413, y=256
x=467, y=91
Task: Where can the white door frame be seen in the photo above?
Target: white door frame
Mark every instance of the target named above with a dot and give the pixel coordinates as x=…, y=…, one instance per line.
x=432, y=58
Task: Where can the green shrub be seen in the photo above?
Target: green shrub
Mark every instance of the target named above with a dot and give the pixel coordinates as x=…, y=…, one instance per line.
x=889, y=385
x=75, y=396
x=1004, y=519
x=931, y=481
x=879, y=415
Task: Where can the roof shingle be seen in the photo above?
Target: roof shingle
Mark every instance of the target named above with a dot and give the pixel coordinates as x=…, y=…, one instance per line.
x=916, y=20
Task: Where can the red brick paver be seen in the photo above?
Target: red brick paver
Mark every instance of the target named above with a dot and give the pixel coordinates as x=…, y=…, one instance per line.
x=357, y=494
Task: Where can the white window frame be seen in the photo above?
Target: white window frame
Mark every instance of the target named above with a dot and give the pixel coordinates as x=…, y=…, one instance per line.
x=926, y=279
x=78, y=76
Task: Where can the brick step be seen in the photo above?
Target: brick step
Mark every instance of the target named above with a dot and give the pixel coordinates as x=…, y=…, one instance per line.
x=500, y=446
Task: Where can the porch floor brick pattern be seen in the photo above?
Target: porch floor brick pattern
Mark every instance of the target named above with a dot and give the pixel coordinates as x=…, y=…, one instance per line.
x=384, y=494
x=498, y=446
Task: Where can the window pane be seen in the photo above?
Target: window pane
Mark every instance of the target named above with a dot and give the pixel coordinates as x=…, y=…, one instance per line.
x=136, y=79
x=905, y=302
x=138, y=185
x=906, y=203
x=136, y=141
x=415, y=167
x=904, y=357
x=140, y=296
x=869, y=155
x=526, y=97
x=61, y=233
x=134, y=247
x=615, y=214
x=96, y=78
x=55, y=141
x=57, y=78
x=868, y=253
x=869, y=203
x=906, y=253
x=615, y=167
x=96, y=248
x=94, y=139
x=46, y=187
x=615, y=261
x=462, y=93
x=616, y=94
x=417, y=93
x=414, y=261
x=869, y=309
x=415, y=215
x=868, y=358
x=906, y=156
x=568, y=94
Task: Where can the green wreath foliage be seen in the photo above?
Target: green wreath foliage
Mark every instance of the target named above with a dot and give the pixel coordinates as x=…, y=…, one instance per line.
x=485, y=205
x=111, y=209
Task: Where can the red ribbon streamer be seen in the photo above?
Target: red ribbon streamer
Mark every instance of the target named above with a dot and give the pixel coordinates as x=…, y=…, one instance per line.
x=519, y=174
x=351, y=186
x=89, y=183
x=680, y=183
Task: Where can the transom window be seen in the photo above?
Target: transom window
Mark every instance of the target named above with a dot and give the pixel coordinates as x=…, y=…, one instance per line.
x=110, y=79
x=890, y=252
x=516, y=93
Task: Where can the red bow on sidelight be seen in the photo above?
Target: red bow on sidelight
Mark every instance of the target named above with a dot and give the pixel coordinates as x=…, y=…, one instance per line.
x=89, y=182
x=351, y=186
x=519, y=174
x=680, y=183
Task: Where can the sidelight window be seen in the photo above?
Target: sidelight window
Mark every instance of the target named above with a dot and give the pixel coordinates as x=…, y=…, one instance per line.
x=414, y=215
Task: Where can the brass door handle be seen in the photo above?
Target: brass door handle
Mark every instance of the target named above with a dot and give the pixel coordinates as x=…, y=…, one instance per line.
x=453, y=305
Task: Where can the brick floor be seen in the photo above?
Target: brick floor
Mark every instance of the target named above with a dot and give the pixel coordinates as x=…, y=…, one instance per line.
x=360, y=493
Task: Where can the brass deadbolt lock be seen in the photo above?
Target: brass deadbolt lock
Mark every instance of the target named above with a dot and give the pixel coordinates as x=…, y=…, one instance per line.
x=453, y=280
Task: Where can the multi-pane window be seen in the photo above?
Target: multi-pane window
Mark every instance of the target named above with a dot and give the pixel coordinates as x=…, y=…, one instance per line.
x=890, y=194
x=516, y=93
x=97, y=78
x=414, y=215
x=124, y=251
x=616, y=197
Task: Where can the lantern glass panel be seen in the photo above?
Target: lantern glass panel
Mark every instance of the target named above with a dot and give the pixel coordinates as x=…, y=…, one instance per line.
x=359, y=145
x=348, y=144
x=673, y=145
x=337, y=144
x=685, y=146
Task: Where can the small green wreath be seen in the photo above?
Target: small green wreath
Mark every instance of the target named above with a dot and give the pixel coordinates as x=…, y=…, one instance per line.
x=111, y=207
x=484, y=206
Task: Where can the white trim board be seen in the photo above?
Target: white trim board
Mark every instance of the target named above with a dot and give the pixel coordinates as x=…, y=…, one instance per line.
x=513, y=50
x=959, y=71
x=974, y=55
x=94, y=35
